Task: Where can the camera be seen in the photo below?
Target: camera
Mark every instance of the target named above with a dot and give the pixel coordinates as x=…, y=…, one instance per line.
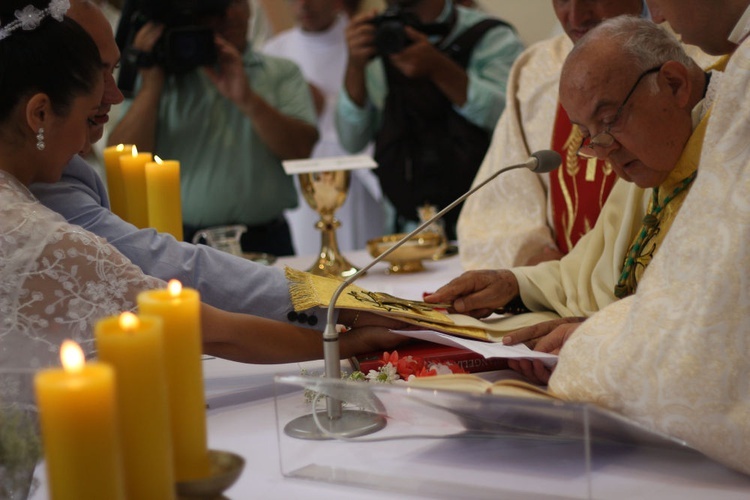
x=184, y=45
x=390, y=35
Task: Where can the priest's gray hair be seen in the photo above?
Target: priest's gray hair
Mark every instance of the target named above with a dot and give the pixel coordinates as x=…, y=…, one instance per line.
x=648, y=43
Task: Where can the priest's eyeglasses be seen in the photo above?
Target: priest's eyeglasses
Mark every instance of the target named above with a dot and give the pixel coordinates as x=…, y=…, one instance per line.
x=591, y=147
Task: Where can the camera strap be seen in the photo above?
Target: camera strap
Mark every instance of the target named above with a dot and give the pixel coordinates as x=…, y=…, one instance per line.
x=442, y=29
x=461, y=48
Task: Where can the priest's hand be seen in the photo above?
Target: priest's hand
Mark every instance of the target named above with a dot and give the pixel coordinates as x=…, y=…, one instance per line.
x=534, y=369
x=554, y=341
x=533, y=334
x=477, y=293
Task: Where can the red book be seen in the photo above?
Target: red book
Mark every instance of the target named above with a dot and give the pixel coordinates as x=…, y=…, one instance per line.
x=470, y=361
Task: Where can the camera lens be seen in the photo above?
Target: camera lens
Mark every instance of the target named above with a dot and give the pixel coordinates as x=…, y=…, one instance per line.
x=390, y=37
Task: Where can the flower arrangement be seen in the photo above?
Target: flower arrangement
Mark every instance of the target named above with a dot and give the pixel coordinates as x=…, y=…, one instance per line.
x=394, y=369
x=403, y=368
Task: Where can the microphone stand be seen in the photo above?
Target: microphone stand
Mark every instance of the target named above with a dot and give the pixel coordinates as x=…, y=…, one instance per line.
x=353, y=423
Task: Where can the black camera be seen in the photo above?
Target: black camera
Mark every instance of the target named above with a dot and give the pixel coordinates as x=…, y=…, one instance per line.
x=185, y=44
x=390, y=35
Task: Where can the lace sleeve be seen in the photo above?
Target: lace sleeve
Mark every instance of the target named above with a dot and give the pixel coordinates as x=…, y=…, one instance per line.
x=56, y=281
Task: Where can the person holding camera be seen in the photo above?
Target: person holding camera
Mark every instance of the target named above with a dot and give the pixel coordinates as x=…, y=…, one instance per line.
x=426, y=79
x=230, y=124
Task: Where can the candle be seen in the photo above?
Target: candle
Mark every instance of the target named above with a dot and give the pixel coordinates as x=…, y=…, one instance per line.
x=179, y=309
x=134, y=180
x=77, y=412
x=115, y=182
x=163, y=194
x=134, y=347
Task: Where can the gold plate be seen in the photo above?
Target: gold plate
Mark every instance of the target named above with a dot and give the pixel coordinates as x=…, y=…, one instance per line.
x=408, y=257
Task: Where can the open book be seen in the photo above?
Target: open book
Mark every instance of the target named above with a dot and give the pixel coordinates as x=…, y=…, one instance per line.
x=524, y=409
x=472, y=383
x=308, y=291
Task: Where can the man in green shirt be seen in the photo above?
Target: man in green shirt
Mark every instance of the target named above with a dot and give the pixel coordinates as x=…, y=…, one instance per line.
x=230, y=126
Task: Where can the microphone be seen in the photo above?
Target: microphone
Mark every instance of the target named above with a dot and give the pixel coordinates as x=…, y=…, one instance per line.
x=542, y=161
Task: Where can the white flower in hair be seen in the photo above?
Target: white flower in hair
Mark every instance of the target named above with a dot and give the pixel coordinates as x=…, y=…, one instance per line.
x=58, y=8
x=29, y=17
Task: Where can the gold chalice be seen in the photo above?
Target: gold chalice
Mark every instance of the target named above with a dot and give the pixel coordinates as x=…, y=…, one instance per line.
x=325, y=192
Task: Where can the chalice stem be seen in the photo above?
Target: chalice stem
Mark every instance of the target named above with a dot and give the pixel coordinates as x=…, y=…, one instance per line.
x=330, y=260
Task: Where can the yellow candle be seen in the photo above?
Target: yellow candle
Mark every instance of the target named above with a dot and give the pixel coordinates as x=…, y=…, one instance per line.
x=115, y=182
x=179, y=309
x=133, y=168
x=134, y=346
x=77, y=412
x=163, y=193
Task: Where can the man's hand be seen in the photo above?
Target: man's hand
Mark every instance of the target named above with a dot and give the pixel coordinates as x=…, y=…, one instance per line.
x=534, y=369
x=477, y=293
x=229, y=75
x=553, y=342
x=144, y=41
x=358, y=319
x=418, y=60
x=360, y=40
x=532, y=335
x=369, y=332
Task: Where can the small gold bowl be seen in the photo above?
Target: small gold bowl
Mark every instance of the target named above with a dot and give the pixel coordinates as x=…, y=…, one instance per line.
x=408, y=257
x=226, y=467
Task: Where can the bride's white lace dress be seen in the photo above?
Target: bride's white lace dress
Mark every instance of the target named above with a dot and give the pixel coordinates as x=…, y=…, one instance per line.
x=56, y=280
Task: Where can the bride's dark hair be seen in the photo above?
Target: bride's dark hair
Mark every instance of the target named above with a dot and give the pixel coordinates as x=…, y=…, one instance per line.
x=57, y=58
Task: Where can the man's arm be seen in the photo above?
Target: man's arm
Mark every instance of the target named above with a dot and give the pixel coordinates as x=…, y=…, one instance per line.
x=138, y=124
x=355, y=113
x=487, y=73
x=225, y=281
x=286, y=136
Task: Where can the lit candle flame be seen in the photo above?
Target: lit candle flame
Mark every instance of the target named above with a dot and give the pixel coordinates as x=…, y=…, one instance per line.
x=128, y=321
x=71, y=356
x=120, y=147
x=134, y=151
x=175, y=288
x=158, y=160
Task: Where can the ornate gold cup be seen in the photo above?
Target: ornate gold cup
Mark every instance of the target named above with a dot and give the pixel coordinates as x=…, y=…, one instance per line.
x=325, y=192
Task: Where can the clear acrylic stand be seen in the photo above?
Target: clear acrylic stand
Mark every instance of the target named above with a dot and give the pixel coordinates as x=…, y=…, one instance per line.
x=440, y=443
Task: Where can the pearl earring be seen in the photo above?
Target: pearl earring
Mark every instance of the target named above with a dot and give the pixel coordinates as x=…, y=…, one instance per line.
x=40, y=139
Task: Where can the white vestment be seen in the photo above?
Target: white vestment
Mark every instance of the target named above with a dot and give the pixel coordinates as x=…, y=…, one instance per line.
x=510, y=218
x=674, y=356
x=322, y=59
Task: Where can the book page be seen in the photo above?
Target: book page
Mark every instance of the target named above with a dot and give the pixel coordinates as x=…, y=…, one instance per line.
x=511, y=386
x=486, y=349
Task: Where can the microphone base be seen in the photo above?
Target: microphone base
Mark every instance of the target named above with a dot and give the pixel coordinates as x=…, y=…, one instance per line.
x=352, y=423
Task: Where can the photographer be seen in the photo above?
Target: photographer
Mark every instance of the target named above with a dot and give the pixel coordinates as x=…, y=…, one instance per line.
x=426, y=79
x=230, y=125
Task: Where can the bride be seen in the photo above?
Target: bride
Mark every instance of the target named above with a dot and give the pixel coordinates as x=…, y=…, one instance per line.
x=57, y=279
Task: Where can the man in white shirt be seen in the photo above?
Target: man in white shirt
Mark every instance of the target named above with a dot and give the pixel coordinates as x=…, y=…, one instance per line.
x=318, y=45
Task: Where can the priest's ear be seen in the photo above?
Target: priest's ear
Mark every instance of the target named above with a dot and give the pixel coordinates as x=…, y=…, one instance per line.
x=678, y=79
x=38, y=111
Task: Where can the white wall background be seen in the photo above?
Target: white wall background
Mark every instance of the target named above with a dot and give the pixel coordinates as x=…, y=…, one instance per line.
x=533, y=19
